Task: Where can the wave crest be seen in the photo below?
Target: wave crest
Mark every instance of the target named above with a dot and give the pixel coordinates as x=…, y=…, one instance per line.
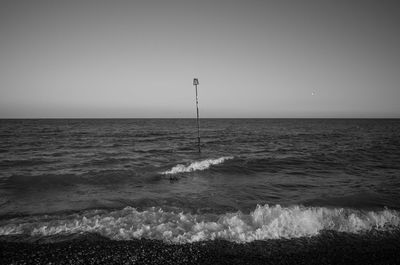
x=265, y=222
x=197, y=165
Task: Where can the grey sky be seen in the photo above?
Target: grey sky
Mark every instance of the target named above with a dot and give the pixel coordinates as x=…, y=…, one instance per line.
x=252, y=58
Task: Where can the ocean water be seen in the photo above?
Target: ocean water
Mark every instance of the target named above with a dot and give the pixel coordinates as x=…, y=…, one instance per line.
x=255, y=179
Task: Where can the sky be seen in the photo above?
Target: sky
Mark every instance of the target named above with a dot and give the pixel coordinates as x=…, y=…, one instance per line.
x=253, y=59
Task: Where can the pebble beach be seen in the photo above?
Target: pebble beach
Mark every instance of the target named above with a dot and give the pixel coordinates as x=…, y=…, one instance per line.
x=327, y=248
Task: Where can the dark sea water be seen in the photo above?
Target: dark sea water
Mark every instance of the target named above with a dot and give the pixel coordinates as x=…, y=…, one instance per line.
x=255, y=179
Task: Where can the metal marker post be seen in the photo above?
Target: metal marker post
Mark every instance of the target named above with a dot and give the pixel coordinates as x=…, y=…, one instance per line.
x=195, y=83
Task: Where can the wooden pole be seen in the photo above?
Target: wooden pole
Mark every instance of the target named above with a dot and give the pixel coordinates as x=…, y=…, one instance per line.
x=195, y=83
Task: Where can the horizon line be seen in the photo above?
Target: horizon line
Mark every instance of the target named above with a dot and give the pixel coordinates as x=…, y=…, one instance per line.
x=208, y=118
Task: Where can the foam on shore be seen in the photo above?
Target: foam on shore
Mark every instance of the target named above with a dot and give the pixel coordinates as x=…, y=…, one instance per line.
x=265, y=222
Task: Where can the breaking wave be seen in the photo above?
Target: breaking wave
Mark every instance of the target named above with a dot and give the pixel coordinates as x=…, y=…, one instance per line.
x=197, y=165
x=265, y=222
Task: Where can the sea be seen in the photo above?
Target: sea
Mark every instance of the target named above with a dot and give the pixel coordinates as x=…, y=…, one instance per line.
x=254, y=179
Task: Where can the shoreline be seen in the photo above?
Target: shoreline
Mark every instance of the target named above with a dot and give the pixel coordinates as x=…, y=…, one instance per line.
x=375, y=247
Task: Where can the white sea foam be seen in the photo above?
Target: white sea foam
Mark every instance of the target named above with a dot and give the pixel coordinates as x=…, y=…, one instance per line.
x=197, y=165
x=265, y=222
